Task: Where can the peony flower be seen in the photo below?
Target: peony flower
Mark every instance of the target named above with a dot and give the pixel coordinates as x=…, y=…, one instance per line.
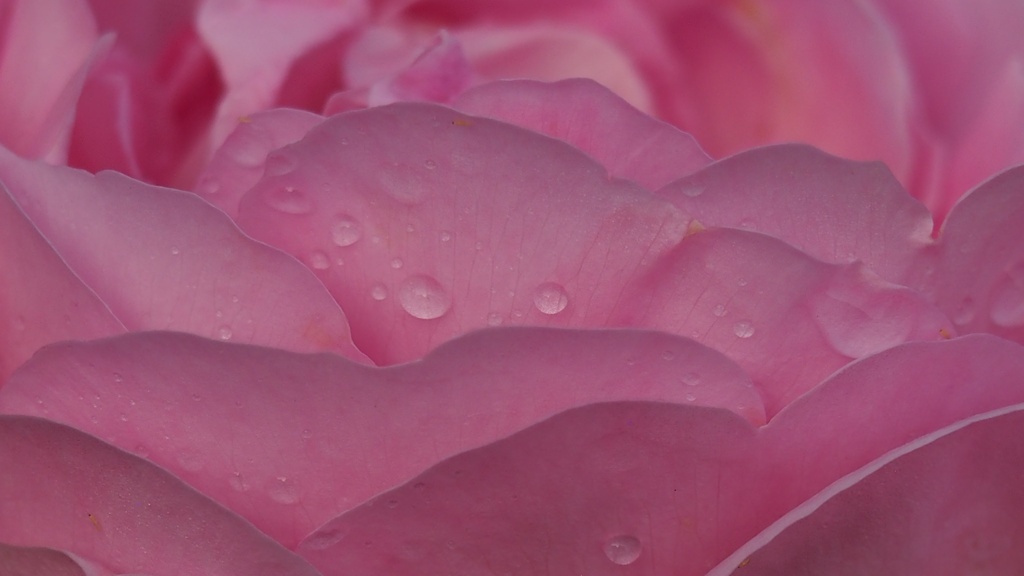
x=933, y=89
x=531, y=330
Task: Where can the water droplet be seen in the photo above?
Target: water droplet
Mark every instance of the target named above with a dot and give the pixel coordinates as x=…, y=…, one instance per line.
x=247, y=151
x=346, y=231
x=122, y=417
x=306, y=434
x=319, y=261
x=378, y=292
x=289, y=200
x=691, y=379
x=197, y=397
x=668, y=355
x=693, y=190
x=280, y=163
x=494, y=319
x=743, y=329
x=965, y=312
x=238, y=482
x=397, y=263
x=324, y=539
x=1008, y=298
x=742, y=282
x=118, y=377
x=446, y=236
x=423, y=297
x=550, y=298
x=430, y=164
x=691, y=397
x=175, y=250
x=224, y=333
x=622, y=550
x=719, y=310
x=282, y=490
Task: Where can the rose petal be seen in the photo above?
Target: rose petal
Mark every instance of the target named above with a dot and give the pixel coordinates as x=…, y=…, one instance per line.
x=241, y=161
x=163, y=259
x=662, y=488
x=627, y=142
x=41, y=300
x=45, y=47
x=21, y=561
x=979, y=276
x=947, y=503
x=425, y=224
x=120, y=510
x=291, y=441
x=789, y=320
x=833, y=209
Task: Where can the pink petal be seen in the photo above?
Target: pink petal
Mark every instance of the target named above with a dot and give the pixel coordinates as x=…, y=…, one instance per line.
x=425, y=224
x=241, y=161
x=948, y=503
x=45, y=48
x=163, y=259
x=831, y=73
x=64, y=489
x=833, y=209
x=41, y=300
x=627, y=142
x=255, y=43
x=291, y=441
x=787, y=319
x=662, y=488
x=979, y=278
x=21, y=561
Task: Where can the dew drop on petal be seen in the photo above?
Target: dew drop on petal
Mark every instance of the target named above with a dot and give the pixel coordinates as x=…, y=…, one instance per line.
x=378, y=292
x=1007, y=305
x=743, y=329
x=445, y=236
x=691, y=379
x=282, y=490
x=430, y=164
x=224, y=333
x=346, y=231
x=237, y=481
x=719, y=310
x=622, y=550
x=319, y=261
x=494, y=319
x=397, y=263
x=691, y=397
x=550, y=298
x=288, y=200
x=423, y=297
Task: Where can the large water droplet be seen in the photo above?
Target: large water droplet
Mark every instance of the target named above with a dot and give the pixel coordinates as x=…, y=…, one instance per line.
x=238, y=482
x=550, y=298
x=1008, y=298
x=623, y=549
x=346, y=231
x=423, y=297
x=289, y=200
x=282, y=490
x=743, y=329
x=280, y=163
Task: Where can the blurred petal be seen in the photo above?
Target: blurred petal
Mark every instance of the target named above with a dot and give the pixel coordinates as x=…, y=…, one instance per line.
x=662, y=488
x=163, y=259
x=41, y=299
x=291, y=441
x=627, y=142
x=22, y=561
x=119, y=510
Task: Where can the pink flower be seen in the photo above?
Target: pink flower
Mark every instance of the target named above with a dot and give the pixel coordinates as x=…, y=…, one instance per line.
x=460, y=326
x=553, y=335
x=933, y=89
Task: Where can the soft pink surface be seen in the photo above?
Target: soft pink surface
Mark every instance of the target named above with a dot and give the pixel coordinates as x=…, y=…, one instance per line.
x=119, y=510
x=25, y=561
x=628, y=143
x=291, y=441
x=38, y=99
x=41, y=300
x=162, y=259
x=690, y=484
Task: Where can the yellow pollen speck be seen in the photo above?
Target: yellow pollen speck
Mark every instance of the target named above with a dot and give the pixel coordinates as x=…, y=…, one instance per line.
x=95, y=521
x=694, y=227
x=744, y=563
x=945, y=333
x=462, y=122
x=244, y=119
